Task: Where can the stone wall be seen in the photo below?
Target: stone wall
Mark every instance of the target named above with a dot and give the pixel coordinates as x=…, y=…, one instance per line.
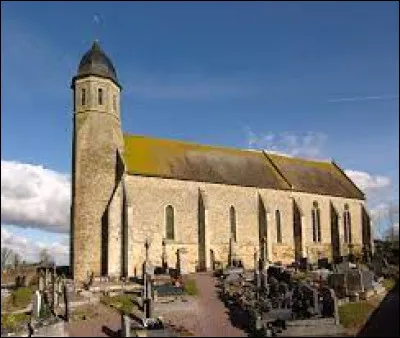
x=148, y=197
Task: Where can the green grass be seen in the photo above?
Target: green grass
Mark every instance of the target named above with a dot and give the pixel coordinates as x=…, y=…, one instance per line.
x=123, y=303
x=354, y=314
x=18, y=300
x=12, y=321
x=190, y=288
x=389, y=283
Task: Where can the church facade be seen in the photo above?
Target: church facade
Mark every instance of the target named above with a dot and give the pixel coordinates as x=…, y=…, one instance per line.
x=203, y=200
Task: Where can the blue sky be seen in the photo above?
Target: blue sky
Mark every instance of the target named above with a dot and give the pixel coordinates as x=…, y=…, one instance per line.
x=313, y=75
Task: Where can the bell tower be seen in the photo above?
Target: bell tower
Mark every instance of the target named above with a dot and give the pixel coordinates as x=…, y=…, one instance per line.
x=97, y=168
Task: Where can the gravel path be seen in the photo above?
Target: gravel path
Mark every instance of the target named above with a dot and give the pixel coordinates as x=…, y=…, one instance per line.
x=204, y=316
x=208, y=316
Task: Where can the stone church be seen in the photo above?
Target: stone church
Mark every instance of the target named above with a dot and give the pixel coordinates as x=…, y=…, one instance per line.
x=129, y=189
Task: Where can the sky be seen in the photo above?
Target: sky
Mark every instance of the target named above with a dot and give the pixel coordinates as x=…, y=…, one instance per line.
x=310, y=79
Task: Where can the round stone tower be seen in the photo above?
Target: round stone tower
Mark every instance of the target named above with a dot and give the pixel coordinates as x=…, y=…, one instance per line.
x=96, y=165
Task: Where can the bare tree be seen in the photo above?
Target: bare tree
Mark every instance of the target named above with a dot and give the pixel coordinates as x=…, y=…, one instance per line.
x=45, y=257
x=16, y=260
x=6, y=257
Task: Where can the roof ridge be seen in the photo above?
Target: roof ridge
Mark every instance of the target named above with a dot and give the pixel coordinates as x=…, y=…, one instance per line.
x=348, y=178
x=327, y=161
x=278, y=171
x=191, y=143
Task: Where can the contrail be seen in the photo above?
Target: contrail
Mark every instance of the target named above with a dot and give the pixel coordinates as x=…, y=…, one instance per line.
x=364, y=98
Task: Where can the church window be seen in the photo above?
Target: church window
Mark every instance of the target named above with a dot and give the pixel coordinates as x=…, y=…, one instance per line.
x=100, y=96
x=115, y=102
x=232, y=216
x=316, y=223
x=278, y=226
x=347, y=224
x=169, y=222
x=83, y=96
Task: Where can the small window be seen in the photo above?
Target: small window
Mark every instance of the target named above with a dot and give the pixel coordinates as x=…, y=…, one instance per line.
x=278, y=226
x=232, y=215
x=100, y=96
x=316, y=222
x=83, y=96
x=169, y=222
x=115, y=102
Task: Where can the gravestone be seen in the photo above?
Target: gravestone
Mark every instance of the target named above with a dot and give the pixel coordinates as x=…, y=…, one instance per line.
x=303, y=264
x=37, y=303
x=323, y=263
x=181, y=261
x=67, y=304
x=354, y=281
x=41, y=282
x=367, y=279
x=338, y=282
x=125, y=325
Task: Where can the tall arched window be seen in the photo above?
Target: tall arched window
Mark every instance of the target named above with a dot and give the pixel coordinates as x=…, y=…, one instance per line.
x=100, y=96
x=232, y=216
x=347, y=224
x=316, y=222
x=169, y=222
x=83, y=96
x=278, y=226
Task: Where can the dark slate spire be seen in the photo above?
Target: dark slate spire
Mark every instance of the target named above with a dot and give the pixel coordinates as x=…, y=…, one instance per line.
x=96, y=62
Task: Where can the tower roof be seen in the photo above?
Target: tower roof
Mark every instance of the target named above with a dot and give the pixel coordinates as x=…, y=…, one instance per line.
x=96, y=62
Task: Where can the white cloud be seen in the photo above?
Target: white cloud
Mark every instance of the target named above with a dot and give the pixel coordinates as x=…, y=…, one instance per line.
x=308, y=145
x=367, y=181
x=29, y=249
x=33, y=196
x=364, y=98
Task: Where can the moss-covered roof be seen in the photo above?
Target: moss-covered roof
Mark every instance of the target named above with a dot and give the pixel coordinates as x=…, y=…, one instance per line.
x=187, y=161
x=148, y=156
x=320, y=177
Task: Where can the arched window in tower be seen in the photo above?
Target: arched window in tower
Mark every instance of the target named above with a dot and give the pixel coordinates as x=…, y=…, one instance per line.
x=83, y=96
x=115, y=102
x=347, y=224
x=278, y=226
x=169, y=222
x=316, y=222
x=232, y=216
x=100, y=96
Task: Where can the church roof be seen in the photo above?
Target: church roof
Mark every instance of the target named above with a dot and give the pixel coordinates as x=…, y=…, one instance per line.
x=148, y=156
x=319, y=177
x=96, y=62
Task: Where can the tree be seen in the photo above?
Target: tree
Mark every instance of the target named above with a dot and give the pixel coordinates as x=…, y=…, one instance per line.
x=45, y=258
x=6, y=257
x=16, y=260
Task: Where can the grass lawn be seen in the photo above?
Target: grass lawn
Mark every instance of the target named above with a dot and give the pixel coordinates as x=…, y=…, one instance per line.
x=18, y=299
x=12, y=321
x=389, y=283
x=190, y=287
x=123, y=303
x=352, y=315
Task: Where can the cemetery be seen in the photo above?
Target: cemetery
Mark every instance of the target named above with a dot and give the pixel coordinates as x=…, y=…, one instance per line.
x=268, y=299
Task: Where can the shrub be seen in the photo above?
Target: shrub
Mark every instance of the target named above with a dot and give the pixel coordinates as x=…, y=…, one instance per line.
x=389, y=283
